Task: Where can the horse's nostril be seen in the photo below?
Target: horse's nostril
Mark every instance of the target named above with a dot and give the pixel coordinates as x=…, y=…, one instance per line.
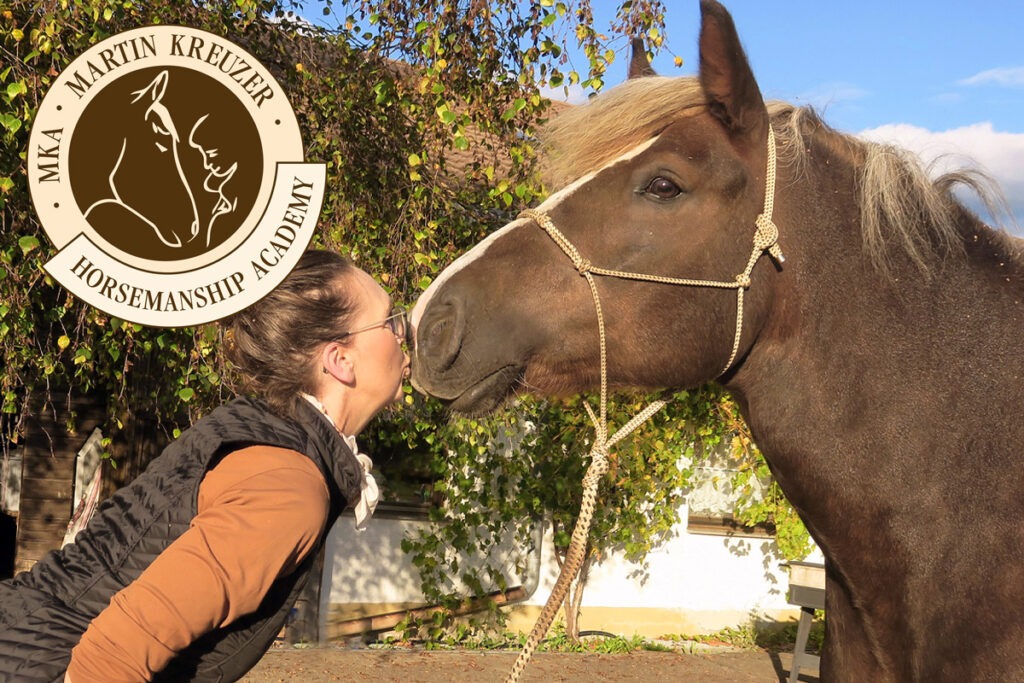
x=439, y=336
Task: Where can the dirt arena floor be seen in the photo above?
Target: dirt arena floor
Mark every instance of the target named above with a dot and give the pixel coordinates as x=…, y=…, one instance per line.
x=319, y=665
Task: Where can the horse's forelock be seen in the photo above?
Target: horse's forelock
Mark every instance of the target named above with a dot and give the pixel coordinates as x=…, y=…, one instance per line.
x=585, y=138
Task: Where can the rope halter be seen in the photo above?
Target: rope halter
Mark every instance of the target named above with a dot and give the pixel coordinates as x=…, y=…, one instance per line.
x=766, y=238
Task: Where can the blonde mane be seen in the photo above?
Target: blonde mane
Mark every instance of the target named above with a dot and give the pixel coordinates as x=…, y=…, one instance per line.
x=582, y=139
x=901, y=205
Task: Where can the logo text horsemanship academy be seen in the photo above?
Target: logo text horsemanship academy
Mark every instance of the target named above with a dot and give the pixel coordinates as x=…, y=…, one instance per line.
x=165, y=164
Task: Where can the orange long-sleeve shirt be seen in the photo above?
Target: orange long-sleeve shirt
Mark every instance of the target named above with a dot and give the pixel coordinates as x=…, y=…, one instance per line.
x=260, y=513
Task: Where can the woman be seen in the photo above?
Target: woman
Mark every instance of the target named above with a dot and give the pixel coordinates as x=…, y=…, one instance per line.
x=189, y=572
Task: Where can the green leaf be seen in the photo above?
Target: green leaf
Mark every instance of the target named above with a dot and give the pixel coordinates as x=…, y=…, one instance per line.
x=28, y=243
x=446, y=115
x=16, y=89
x=186, y=394
x=11, y=123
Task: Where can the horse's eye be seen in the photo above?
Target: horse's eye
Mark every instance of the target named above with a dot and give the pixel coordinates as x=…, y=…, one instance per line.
x=662, y=188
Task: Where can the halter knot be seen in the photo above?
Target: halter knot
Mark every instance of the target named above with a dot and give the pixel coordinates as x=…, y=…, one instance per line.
x=767, y=232
x=743, y=280
x=583, y=265
x=599, y=463
x=767, y=237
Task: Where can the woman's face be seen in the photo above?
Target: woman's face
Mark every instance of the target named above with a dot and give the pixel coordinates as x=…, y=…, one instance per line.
x=381, y=364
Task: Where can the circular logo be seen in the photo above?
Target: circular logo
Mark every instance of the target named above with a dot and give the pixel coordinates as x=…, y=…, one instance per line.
x=165, y=164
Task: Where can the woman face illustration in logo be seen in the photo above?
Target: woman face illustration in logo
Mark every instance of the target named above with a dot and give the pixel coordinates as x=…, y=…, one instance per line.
x=165, y=163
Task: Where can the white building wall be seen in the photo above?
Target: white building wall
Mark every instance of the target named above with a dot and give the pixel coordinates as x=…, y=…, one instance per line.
x=692, y=584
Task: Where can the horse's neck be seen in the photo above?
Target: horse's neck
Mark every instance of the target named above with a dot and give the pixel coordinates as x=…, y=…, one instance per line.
x=837, y=319
x=873, y=395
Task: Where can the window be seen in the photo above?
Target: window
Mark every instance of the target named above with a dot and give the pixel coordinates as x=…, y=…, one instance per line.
x=713, y=497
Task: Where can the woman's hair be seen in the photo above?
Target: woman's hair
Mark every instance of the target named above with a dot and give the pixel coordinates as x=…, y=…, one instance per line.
x=275, y=343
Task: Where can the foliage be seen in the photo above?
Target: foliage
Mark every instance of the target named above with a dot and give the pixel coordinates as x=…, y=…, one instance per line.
x=469, y=637
x=504, y=475
x=424, y=115
x=772, y=636
x=770, y=508
x=560, y=639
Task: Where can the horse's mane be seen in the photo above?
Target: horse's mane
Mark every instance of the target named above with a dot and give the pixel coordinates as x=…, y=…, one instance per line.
x=901, y=204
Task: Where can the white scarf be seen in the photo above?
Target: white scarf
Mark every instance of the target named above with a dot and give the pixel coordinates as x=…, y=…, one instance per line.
x=369, y=494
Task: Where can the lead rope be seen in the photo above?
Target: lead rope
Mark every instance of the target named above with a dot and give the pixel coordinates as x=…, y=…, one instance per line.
x=574, y=556
x=765, y=239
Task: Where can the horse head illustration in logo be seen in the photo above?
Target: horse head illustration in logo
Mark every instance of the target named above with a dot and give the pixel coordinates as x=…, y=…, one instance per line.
x=169, y=183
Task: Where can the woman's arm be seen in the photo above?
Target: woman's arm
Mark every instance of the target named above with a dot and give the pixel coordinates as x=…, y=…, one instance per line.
x=261, y=511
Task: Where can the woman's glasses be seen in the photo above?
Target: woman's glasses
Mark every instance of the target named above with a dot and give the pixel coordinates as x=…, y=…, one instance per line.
x=397, y=322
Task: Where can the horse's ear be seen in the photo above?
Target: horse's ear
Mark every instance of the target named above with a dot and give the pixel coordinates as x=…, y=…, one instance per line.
x=639, y=66
x=160, y=86
x=725, y=74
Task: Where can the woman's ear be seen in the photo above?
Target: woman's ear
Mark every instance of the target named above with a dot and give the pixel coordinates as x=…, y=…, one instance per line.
x=336, y=360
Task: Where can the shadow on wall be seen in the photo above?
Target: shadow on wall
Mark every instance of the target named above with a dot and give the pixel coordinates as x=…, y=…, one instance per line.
x=370, y=566
x=771, y=561
x=366, y=574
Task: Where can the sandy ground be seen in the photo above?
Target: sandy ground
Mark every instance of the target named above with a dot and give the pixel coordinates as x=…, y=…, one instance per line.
x=318, y=665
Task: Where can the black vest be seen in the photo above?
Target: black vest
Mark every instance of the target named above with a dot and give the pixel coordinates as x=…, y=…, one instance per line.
x=44, y=611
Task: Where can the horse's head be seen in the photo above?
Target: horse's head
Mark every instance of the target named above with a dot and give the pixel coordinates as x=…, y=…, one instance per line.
x=149, y=176
x=665, y=177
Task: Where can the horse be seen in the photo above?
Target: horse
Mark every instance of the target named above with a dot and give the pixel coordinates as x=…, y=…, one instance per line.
x=866, y=322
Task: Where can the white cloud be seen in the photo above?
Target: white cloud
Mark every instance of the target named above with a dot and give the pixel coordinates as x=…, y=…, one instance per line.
x=576, y=94
x=1008, y=77
x=978, y=146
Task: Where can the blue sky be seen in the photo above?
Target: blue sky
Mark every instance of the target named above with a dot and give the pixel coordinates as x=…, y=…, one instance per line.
x=937, y=76
x=943, y=78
